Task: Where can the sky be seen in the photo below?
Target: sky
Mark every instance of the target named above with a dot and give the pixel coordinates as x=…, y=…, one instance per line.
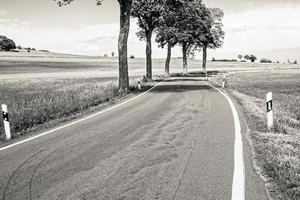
x=267, y=29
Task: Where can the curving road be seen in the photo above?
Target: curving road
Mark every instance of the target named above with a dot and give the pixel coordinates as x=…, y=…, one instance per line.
x=174, y=142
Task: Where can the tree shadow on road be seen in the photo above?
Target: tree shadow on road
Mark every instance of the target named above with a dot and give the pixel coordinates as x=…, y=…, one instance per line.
x=177, y=88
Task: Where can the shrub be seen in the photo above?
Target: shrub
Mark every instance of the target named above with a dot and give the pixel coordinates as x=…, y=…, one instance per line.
x=132, y=57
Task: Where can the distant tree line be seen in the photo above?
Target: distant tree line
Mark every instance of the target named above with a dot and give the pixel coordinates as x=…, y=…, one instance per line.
x=187, y=23
x=223, y=60
x=251, y=58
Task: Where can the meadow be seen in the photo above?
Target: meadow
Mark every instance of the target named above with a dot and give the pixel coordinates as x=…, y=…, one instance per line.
x=276, y=152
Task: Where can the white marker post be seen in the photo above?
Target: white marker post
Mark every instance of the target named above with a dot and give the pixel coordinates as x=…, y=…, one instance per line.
x=224, y=81
x=269, y=102
x=6, y=122
x=139, y=85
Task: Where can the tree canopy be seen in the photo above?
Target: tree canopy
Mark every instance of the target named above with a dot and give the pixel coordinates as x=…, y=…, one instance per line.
x=188, y=23
x=125, y=8
x=6, y=44
x=148, y=14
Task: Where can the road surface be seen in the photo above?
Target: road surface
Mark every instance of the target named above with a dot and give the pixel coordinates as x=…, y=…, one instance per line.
x=174, y=142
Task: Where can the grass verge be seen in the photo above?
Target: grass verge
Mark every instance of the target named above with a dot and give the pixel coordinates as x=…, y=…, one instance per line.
x=38, y=102
x=276, y=152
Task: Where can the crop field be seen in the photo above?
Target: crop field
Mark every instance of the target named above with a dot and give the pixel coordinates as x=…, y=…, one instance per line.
x=277, y=152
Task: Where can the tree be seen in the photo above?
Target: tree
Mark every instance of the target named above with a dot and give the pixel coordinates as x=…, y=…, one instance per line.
x=165, y=33
x=252, y=58
x=147, y=13
x=125, y=8
x=6, y=44
x=214, y=34
x=191, y=23
x=247, y=57
x=240, y=57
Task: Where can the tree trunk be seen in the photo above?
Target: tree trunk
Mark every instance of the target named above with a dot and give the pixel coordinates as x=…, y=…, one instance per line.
x=168, y=60
x=149, y=55
x=184, y=55
x=204, y=58
x=125, y=7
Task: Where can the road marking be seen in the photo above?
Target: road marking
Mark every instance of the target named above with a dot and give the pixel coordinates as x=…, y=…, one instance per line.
x=238, y=183
x=78, y=121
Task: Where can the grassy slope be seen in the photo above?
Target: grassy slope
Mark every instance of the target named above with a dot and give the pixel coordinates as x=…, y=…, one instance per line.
x=34, y=101
x=277, y=152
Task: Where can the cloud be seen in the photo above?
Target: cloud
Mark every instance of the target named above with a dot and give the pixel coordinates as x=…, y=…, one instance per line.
x=262, y=29
x=100, y=39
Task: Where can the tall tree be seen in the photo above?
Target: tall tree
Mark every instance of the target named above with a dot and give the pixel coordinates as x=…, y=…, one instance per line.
x=166, y=31
x=147, y=13
x=125, y=8
x=214, y=34
x=190, y=26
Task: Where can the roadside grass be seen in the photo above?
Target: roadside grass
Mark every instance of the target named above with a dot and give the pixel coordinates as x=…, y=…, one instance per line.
x=276, y=152
x=40, y=101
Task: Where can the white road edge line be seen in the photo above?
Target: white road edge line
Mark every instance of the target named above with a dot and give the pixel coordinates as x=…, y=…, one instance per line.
x=78, y=121
x=238, y=183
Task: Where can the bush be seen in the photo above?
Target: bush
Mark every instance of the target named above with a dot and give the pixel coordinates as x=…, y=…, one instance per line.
x=132, y=57
x=6, y=44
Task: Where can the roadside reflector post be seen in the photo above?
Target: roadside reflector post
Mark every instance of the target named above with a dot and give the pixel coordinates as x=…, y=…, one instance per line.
x=269, y=103
x=224, y=81
x=6, y=122
x=139, y=85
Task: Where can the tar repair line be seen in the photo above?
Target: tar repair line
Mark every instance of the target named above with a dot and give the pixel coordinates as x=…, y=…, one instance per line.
x=77, y=121
x=238, y=183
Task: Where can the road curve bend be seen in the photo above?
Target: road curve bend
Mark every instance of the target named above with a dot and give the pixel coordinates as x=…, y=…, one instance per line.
x=176, y=141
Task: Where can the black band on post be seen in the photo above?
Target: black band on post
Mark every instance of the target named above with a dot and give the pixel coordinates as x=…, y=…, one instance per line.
x=5, y=116
x=269, y=106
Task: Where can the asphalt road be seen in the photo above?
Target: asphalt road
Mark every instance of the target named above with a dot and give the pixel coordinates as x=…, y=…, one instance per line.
x=175, y=142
